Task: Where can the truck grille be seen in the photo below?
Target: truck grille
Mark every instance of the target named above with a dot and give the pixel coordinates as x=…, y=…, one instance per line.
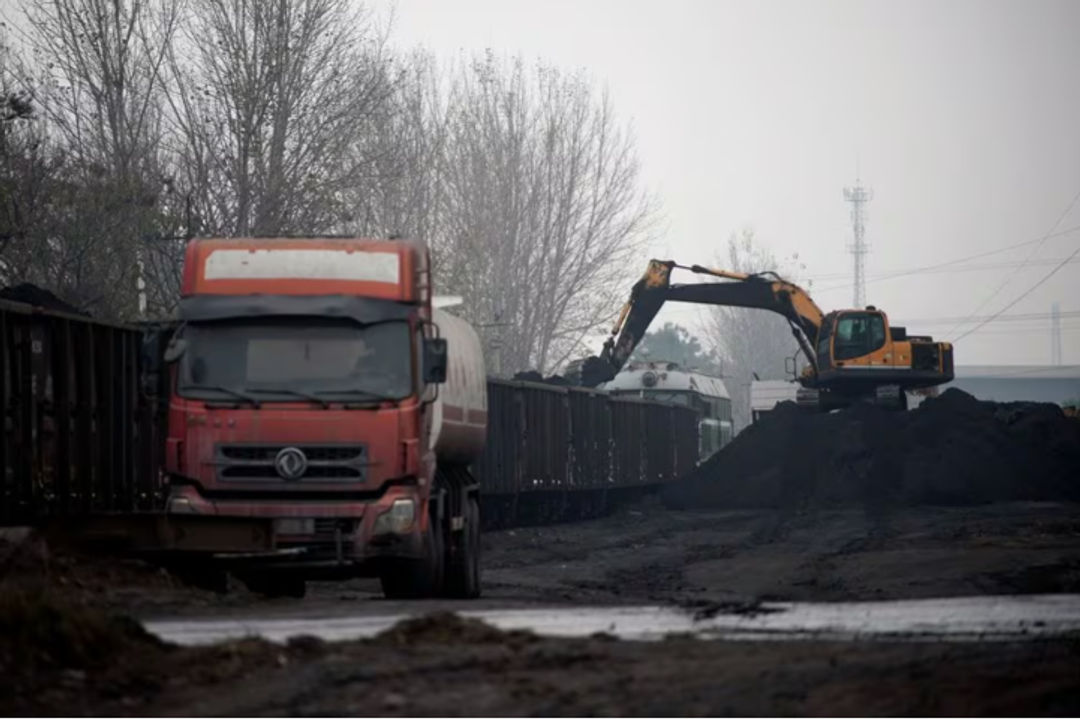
x=258, y=462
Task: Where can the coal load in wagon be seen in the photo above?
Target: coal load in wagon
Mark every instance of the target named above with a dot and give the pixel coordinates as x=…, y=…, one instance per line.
x=534, y=376
x=38, y=297
x=951, y=450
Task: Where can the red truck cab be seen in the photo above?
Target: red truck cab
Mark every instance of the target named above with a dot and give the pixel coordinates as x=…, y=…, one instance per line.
x=305, y=379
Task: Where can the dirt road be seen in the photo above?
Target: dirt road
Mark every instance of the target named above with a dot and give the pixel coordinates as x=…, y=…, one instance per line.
x=440, y=674
x=647, y=553
x=642, y=554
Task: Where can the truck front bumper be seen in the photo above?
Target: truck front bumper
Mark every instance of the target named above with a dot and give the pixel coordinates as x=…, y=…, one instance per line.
x=352, y=536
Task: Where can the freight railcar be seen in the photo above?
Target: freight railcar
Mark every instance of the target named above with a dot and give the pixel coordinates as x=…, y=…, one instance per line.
x=83, y=432
x=569, y=452
x=79, y=437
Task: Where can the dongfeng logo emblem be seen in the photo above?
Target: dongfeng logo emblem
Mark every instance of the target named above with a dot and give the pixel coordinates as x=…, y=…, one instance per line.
x=290, y=463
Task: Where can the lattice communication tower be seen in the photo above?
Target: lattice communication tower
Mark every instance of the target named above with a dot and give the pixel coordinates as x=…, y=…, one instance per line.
x=858, y=196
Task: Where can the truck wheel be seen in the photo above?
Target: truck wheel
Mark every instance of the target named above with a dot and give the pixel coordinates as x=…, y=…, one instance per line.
x=276, y=585
x=463, y=573
x=212, y=580
x=417, y=578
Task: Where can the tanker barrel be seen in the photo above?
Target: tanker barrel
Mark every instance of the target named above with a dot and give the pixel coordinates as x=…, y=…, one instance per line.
x=460, y=416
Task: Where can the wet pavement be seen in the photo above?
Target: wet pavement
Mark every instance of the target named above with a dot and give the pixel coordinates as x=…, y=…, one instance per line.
x=978, y=618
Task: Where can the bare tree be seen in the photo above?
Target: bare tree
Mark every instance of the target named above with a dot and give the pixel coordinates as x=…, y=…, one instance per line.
x=28, y=168
x=407, y=137
x=543, y=209
x=751, y=341
x=273, y=102
x=292, y=117
x=100, y=93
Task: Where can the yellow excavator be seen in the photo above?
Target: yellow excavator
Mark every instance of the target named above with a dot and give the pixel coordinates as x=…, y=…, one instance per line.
x=852, y=355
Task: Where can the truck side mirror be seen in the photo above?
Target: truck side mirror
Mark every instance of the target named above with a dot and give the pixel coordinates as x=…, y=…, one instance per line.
x=435, y=360
x=790, y=366
x=175, y=349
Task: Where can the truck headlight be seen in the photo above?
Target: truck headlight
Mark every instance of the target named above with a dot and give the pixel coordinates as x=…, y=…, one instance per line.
x=398, y=519
x=181, y=505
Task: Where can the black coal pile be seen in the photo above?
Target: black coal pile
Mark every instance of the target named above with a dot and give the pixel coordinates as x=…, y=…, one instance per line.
x=38, y=297
x=951, y=450
x=534, y=376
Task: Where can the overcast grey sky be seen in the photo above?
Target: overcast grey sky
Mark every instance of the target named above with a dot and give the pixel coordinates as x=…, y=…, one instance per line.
x=965, y=117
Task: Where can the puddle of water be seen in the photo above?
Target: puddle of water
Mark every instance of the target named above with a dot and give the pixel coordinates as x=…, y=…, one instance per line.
x=952, y=619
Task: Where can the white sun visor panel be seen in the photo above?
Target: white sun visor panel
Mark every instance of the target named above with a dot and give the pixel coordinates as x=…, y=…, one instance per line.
x=294, y=264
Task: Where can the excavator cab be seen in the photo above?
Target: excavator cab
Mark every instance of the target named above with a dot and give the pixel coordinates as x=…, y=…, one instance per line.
x=854, y=337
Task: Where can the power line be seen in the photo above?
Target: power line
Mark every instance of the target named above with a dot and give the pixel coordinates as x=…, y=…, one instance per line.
x=1005, y=318
x=985, y=267
x=1055, y=334
x=1028, y=370
x=1019, y=332
x=1009, y=277
x=951, y=263
x=1031, y=289
x=1050, y=261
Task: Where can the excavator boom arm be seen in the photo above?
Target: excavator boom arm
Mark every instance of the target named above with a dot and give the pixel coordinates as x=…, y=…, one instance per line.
x=654, y=289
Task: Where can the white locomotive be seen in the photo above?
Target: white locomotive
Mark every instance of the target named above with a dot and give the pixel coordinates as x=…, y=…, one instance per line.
x=669, y=382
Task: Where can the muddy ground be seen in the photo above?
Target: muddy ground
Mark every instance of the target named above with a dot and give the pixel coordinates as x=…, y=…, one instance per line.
x=646, y=553
x=641, y=554
x=443, y=666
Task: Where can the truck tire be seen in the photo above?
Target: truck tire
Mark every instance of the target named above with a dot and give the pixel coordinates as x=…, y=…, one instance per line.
x=212, y=580
x=463, y=571
x=275, y=585
x=417, y=578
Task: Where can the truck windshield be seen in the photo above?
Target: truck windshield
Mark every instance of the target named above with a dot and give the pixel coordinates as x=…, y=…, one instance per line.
x=290, y=359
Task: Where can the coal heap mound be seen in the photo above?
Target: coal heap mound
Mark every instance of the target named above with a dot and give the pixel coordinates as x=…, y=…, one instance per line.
x=38, y=297
x=951, y=450
x=534, y=376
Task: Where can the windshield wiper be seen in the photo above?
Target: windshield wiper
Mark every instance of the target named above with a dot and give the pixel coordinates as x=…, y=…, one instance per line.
x=226, y=390
x=294, y=392
x=374, y=396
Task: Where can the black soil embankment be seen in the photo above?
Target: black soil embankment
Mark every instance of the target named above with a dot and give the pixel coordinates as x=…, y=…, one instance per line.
x=951, y=450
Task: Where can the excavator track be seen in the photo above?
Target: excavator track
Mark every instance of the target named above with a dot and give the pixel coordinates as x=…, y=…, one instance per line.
x=891, y=397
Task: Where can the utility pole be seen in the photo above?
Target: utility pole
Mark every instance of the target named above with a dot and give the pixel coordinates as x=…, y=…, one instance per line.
x=858, y=196
x=140, y=281
x=1055, y=335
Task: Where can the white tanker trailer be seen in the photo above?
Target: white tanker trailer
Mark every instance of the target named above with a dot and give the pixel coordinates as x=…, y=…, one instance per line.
x=459, y=419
